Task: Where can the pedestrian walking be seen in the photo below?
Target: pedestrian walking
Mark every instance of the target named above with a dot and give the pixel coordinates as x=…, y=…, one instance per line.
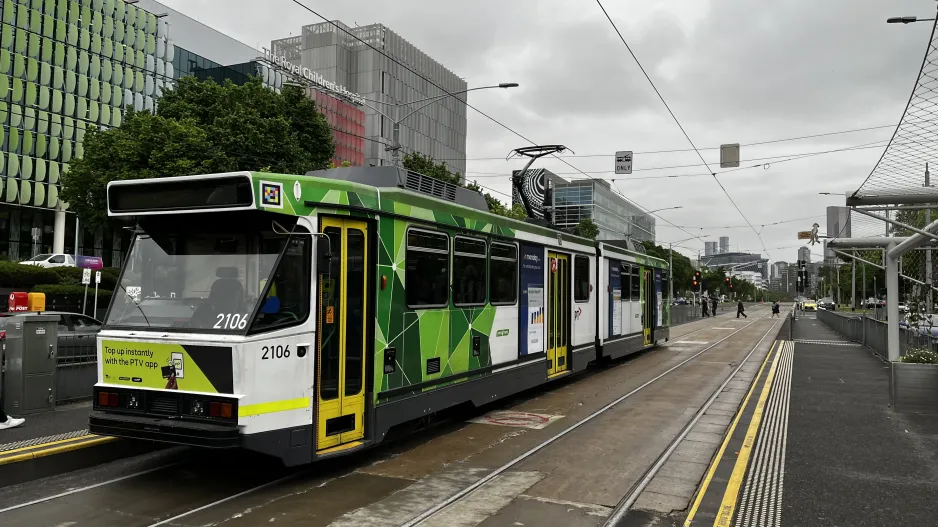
x=713, y=301
x=740, y=310
x=775, y=309
x=705, y=305
x=6, y=421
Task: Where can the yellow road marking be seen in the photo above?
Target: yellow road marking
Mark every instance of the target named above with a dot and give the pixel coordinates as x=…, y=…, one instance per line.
x=729, y=435
x=56, y=450
x=43, y=445
x=728, y=506
x=276, y=406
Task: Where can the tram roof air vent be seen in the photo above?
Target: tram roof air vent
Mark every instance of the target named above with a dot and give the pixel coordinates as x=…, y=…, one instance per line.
x=432, y=186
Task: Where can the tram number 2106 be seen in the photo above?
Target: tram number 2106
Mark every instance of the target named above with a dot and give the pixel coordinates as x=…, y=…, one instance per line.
x=275, y=352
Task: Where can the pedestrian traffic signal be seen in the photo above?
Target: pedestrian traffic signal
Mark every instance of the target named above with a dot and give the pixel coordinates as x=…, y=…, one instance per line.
x=727, y=279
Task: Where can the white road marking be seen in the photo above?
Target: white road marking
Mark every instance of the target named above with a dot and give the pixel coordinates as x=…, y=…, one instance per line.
x=688, y=342
x=485, y=501
x=407, y=503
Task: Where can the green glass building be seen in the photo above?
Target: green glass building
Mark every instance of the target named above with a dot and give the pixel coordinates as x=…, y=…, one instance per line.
x=67, y=66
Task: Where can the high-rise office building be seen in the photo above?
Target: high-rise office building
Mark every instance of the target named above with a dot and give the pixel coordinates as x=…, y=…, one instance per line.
x=339, y=57
x=838, y=226
x=616, y=217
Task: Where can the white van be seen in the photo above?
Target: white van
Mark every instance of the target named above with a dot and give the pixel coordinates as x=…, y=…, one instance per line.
x=51, y=260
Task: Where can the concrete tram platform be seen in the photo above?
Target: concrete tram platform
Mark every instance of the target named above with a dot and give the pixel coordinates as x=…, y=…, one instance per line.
x=26, y=451
x=815, y=443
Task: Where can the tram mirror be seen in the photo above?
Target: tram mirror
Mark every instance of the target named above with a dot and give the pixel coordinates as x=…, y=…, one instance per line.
x=323, y=256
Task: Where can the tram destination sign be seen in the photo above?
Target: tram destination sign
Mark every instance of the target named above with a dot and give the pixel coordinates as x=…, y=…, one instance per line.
x=624, y=162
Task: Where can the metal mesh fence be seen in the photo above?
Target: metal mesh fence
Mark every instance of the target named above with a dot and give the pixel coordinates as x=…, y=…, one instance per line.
x=915, y=140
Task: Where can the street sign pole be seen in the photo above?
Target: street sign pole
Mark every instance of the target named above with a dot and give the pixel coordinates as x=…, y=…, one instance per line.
x=97, y=280
x=86, y=280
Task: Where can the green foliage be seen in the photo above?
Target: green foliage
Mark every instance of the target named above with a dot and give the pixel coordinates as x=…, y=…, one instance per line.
x=425, y=165
x=683, y=268
x=919, y=355
x=13, y=274
x=25, y=277
x=59, y=290
x=200, y=127
x=587, y=229
x=344, y=164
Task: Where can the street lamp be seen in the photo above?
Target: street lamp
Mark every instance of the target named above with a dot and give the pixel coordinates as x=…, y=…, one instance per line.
x=907, y=20
x=671, y=262
x=396, y=121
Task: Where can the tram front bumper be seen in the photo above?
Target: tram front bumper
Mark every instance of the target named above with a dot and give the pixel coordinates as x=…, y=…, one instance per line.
x=164, y=430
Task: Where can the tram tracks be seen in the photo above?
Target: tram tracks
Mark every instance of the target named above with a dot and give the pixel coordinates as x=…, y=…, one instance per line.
x=308, y=477
x=629, y=499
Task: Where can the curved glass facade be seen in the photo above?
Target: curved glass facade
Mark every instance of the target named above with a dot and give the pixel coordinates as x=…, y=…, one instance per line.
x=66, y=66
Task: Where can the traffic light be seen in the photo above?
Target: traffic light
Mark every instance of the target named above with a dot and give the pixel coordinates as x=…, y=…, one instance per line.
x=697, y=280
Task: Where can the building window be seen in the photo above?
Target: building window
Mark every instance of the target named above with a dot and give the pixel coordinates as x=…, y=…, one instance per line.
x=503, y=283
x=468, y=271
x=581, y=278
x=427, y=275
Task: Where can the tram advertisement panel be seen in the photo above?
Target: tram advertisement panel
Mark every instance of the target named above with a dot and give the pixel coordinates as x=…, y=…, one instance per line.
x=658, y=318
x=164, y=366
x=615, y=299
x=532, y=300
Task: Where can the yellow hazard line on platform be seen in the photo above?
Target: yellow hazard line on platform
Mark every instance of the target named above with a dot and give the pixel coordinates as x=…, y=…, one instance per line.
x=705, y=484
x=59, y=449
x=731, y=496
x=44, y=445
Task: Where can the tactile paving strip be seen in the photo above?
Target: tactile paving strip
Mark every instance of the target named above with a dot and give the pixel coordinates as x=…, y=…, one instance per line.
x=828, y=342
x=41, y=440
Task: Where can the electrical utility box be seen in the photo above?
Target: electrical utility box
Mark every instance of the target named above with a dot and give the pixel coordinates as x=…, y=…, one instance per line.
x=29, y=363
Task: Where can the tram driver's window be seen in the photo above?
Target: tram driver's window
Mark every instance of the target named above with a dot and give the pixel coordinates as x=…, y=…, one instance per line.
x=286, y=298
x=427, y=277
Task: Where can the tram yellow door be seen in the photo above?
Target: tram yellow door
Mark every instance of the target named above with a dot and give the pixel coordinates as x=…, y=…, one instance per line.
x=343, y=306
x=558, y=313
x=648, y=306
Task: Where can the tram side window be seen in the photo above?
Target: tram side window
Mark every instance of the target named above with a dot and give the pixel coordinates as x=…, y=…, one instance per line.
x=503, y=279
x=427, y=275
x=286, y=301
x=468, y=271
x=636, y=283
x=581, y=278
x=665, y=290
x=625, y=277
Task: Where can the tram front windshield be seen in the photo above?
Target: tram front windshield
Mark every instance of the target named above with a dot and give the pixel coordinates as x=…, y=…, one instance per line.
x=201, y=275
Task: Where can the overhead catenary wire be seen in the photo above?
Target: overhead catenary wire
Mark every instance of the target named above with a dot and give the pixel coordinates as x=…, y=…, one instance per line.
x=780, y=159
x=446, y=92
x=680, y=150
x=678, y=122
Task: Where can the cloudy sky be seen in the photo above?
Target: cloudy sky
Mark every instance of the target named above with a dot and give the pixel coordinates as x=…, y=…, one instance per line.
x=732, y=71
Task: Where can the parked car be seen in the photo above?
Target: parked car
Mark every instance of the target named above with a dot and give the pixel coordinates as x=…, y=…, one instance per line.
x=827, y=303
x=51, y=260
x=74, y=329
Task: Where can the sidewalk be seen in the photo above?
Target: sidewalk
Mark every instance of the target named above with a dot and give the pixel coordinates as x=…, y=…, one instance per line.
x=64, y=422
x=817, y=444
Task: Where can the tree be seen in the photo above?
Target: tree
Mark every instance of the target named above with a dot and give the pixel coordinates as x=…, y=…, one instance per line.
x=201, y=127
x=587, y=229
x=425, y=165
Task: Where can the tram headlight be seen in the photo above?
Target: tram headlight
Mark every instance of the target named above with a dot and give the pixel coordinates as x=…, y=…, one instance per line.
x=133, y=401
x=197, y=407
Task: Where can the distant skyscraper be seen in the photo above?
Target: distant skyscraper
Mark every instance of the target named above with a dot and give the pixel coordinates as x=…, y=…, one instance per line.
x=724, y=244
x=838, y=226
x=710, y=248
x=804, y=253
